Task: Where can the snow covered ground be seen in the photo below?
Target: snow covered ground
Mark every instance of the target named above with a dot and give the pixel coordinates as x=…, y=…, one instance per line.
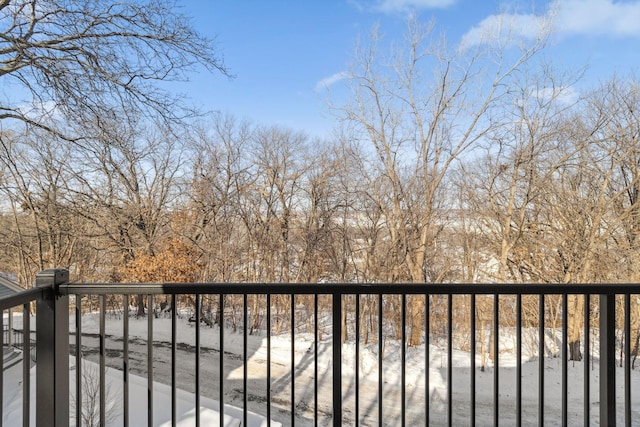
x=281, y=380
x=209, y=412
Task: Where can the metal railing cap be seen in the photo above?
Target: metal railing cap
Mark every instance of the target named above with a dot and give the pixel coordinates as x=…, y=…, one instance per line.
x=53, y=277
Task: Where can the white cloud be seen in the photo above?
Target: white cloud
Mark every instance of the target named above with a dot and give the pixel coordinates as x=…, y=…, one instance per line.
x=565, y=17
x=388, y=6
x=333, y=79
x=505, y=28
x=598, y=17
x=565, y=95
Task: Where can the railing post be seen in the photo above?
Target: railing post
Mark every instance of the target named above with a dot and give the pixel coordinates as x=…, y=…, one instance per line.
x=52, y=351
x=607, y=359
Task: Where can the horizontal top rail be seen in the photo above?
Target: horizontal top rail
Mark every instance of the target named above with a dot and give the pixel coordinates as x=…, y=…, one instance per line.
x=20, y=298
x=345, y=288
x=29, y=295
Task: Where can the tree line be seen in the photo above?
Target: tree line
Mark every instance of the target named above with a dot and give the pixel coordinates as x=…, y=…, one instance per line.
x=447, y=164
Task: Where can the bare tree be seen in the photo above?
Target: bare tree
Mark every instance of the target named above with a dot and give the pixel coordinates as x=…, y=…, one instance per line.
x=416, y=124
x=321, y=242
x=271, y=202
x=89, y=59
x=40, y=226
x=124, y=185
x=596, y=204
x=221, y=177
x=75, y=67
x=92, y=399
x=573, y=228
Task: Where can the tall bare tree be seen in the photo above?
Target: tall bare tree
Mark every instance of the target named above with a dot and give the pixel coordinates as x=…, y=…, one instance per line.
x=39, y=226
x=417, y=114
x=278, y=166
x=321, y=239
x=595, y=210
x=221, y=177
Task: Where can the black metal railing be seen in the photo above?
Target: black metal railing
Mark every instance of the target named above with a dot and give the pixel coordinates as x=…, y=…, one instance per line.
x=357, y=319
x=11, y=337
x=14, y=338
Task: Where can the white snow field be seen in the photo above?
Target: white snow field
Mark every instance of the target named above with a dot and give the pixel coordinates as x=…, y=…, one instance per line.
x=304, y=380
x=209, y=410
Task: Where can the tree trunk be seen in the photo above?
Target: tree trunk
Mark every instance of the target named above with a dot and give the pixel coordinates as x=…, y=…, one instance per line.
x=255, y=315
x=140, y=304
x=416, y=313
x=492, y=336
x=575, y=326
x=574, y=350
x=483, y=346
x=343, y=315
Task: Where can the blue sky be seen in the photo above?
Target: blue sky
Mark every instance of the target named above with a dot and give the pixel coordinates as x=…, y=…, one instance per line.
x=284, y=54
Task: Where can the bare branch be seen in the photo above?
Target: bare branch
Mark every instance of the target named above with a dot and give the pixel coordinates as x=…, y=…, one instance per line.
x=94, y=58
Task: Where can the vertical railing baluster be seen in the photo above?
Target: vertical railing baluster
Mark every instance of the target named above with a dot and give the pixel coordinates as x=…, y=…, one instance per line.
x=565, y=359
x=337, y=358
x=2, y=367
x=10, y=327
x=587, y=360
x=380, y=349
x=269, y=360
x=174, y=337
x=496, y=359
x=518, y=360
x=125, y=359
x=197, y=357
x=149, y=359
x=627, y=359
x=221, y=296
x=245, y=359
x=357, y=363
x=315, y=360
x=293, y=359
x=427, y=357
x=78, y=360
x=541, y=350
x=607, y=360
x=403, y=359
x=103, y=393
x=26, y=365
x=473, y=360
x=450, y=359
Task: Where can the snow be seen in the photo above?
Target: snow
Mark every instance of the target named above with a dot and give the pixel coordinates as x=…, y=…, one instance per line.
x=281, y=380
x=209, y=409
